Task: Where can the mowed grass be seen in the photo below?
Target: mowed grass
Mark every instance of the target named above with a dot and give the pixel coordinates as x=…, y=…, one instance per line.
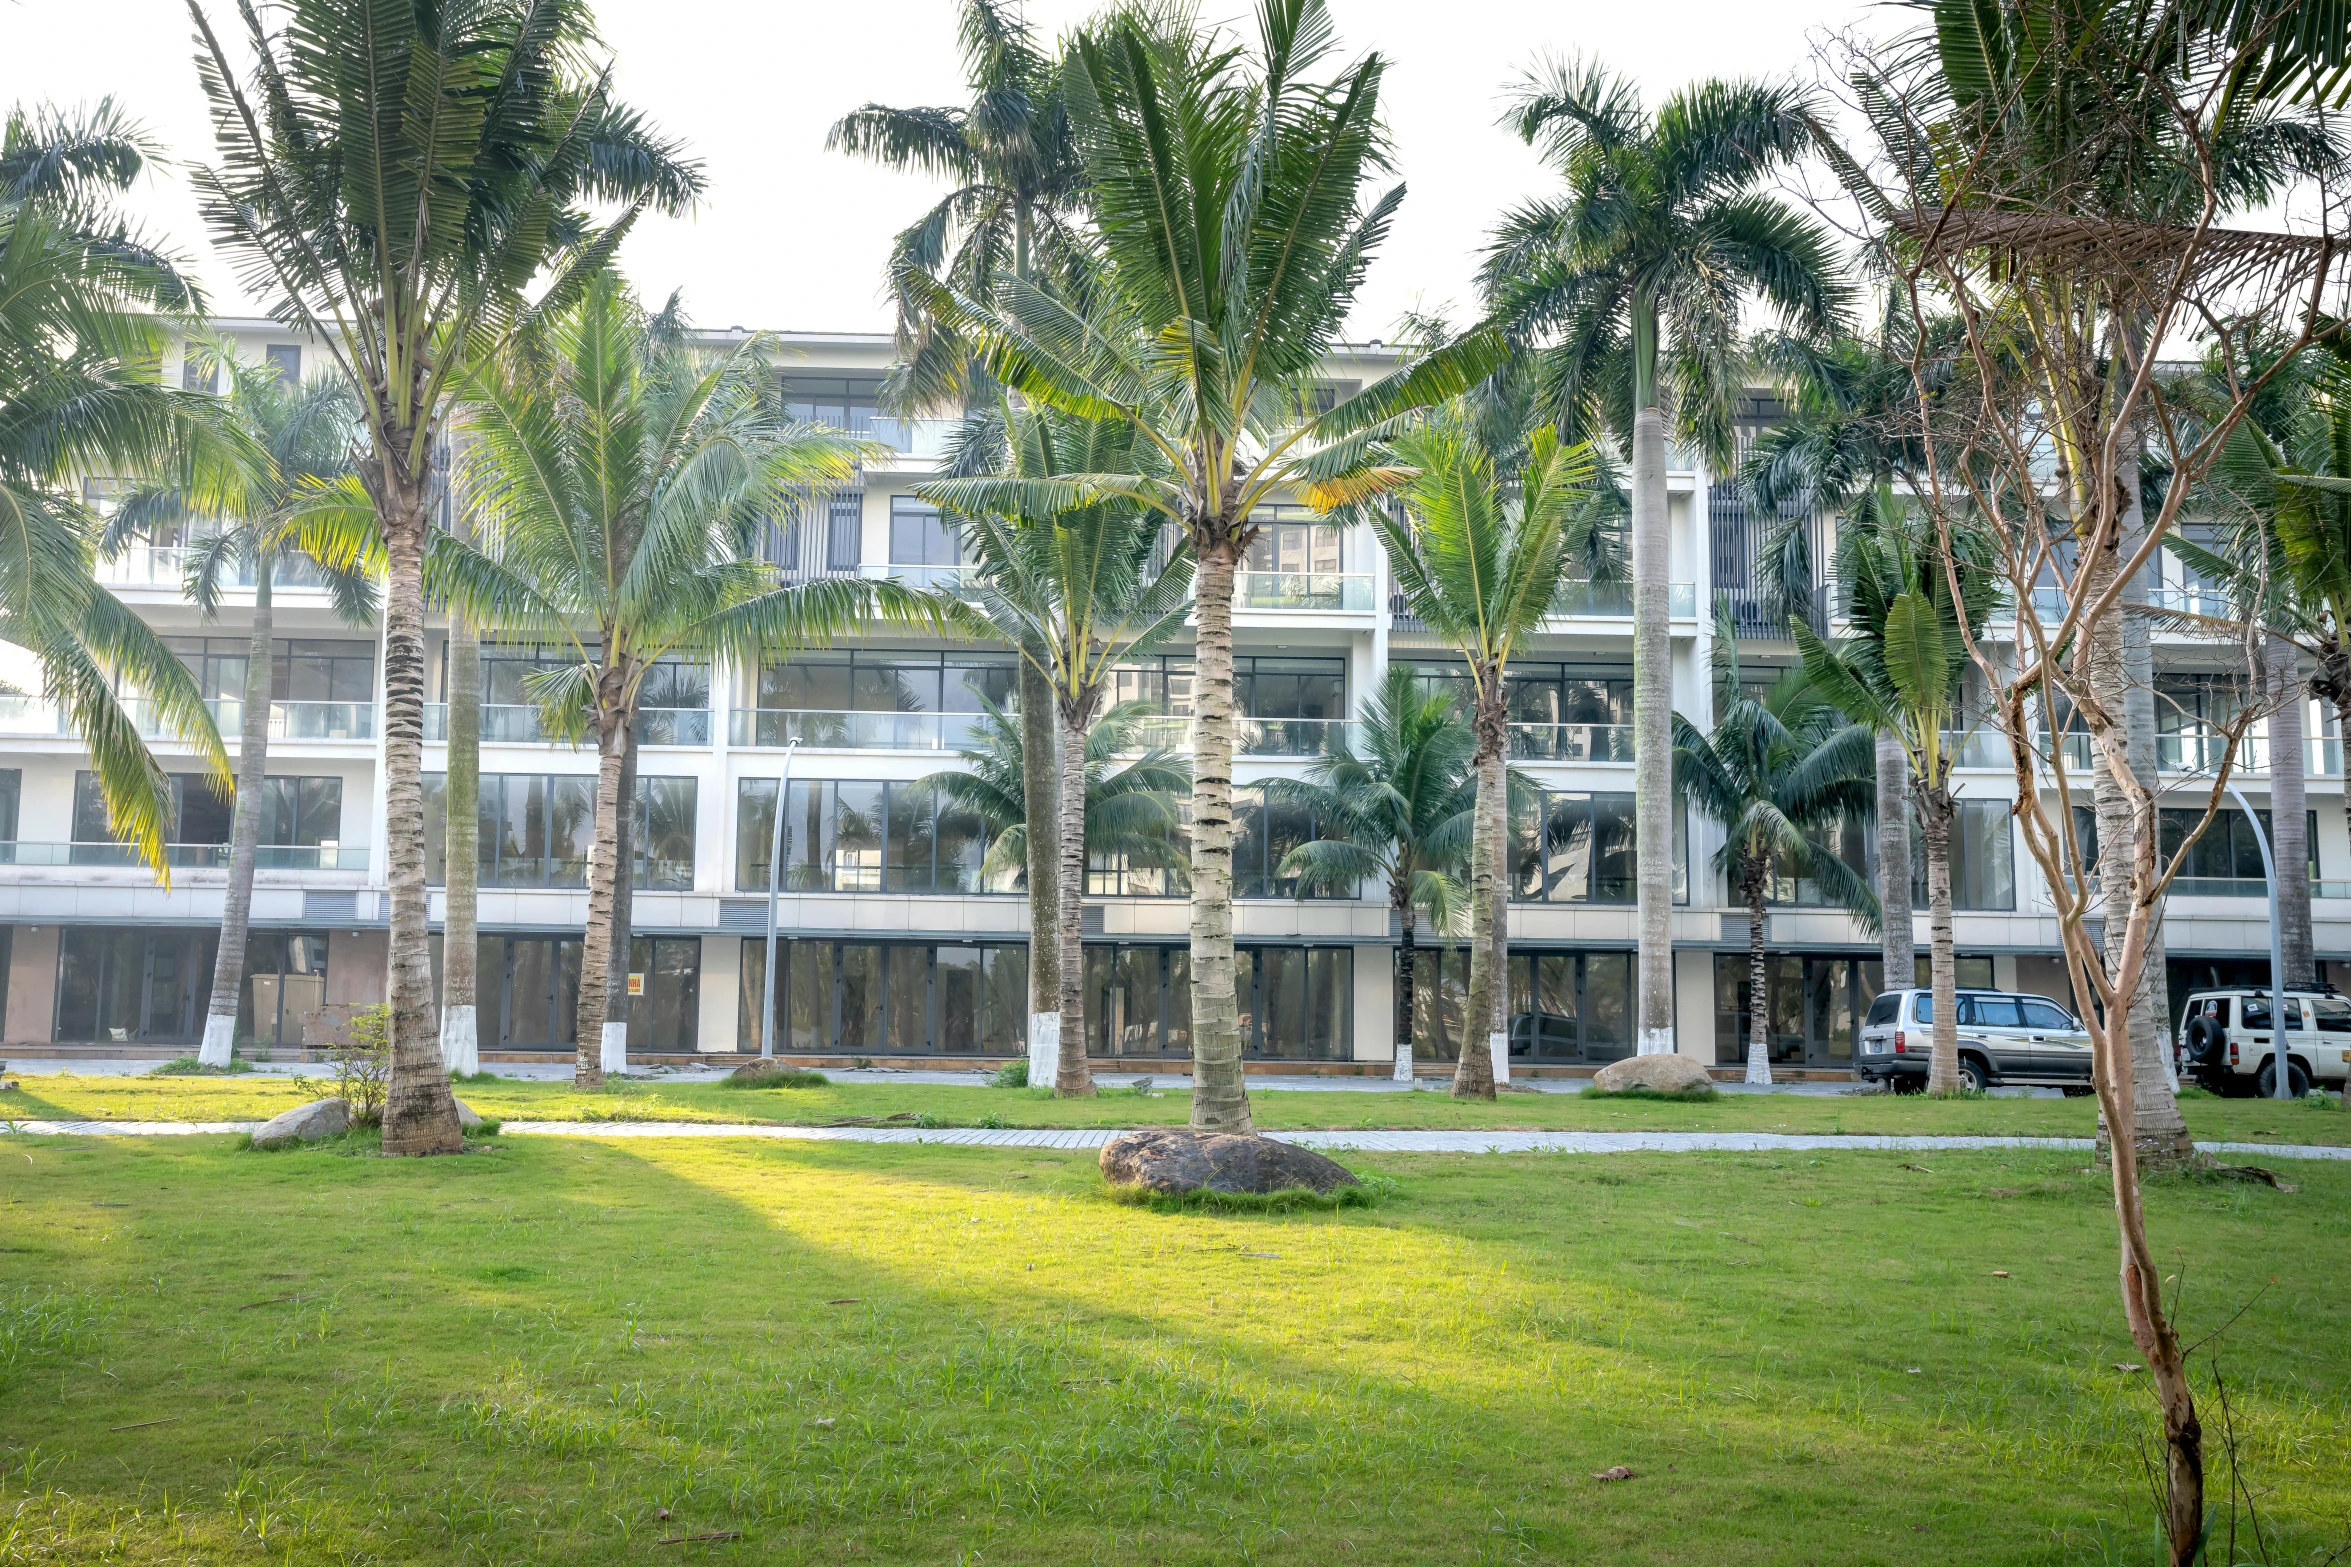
x=257, y=1096
x=572, y=1350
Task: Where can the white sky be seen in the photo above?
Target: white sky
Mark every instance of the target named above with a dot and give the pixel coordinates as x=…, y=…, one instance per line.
x=793, y=237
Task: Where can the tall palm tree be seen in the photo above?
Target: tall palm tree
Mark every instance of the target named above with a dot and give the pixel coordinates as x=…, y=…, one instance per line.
x=1633, y=276
x=1226, y=185
x=393, y=180
x=81, y=396
x=1399, y=810
x=1131, y=807
x=1012, y=214
x=1778, y=773
x=1009, y=218
x=1479, y=557
x=306, y=432
x=1076, y=594
x=620, y=484
x=1897, y=672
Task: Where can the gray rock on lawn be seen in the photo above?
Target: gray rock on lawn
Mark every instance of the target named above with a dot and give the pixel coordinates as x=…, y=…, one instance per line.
x=305, y=1124
x=1174, y=1159
x=467, y=1115
x=758, y=1067
x=1663, y=1074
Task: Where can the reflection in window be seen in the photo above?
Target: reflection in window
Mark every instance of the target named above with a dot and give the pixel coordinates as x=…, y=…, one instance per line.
x=537, y=830
x=1587, y=850
x=851, y=836
x=871, y=998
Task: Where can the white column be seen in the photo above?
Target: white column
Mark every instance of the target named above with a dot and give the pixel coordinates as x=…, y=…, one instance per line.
x=721, y=986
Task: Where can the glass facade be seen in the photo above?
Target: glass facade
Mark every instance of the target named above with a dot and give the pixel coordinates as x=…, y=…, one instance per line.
x=118, y=986
x=920, y=536
x=1812, y=1003
x=849, y=836
x=1578, y=846
x=886, y=682
x=1264, y=830
x=285, y=978
x=295, y=813
x=882, y=998
x=537, y=830
x=1296, y=1002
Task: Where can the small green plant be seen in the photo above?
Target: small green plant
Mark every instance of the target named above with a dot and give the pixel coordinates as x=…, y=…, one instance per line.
x=1702, y=1093
x=2320, y=1099
x=991, y=1122
x=189, y=1066
x=489, y=1127
x=362, y=1063
x=1012, y=1074
x=928, y=1121
x=786, y=1077
x=474, y=1079
x=861, y=1063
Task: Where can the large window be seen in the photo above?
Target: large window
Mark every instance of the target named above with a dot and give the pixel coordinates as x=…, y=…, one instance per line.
x=1983, y=859
x=844, y=402
x=886, y=682
x=1568, y=1006
x=301, y=669
x=297, y=814
x=1263, y=832
x=850, y=836
x=921, y=536
x=536, y=830
x=1296, y=1002
x=877, y=998
x=132, y=986
x=1290, y=538
x=666, y=1017
x=1811, y=1003
x=285, y=979
x=11, y=792
x=1577, y=846
x=2227, y=852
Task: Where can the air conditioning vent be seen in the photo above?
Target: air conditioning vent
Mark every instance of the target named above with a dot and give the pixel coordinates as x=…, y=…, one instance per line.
x=330, y=908
x=1090, y=919
x=743, y=914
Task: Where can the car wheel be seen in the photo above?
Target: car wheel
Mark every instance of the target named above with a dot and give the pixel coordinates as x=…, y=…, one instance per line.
x=1973, y=1074
x=2297, y=1080
x=2078, y=1090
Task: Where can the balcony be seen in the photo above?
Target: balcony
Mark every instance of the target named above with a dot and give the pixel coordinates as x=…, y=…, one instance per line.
x=166, y=566
x=2201, y=753
x=25, y=715
x=519, y=724
x=1578, y=600
x=772, y=728
x=2247, y=887
x=194, y=856
x=1333, y=590
x=1571, y=742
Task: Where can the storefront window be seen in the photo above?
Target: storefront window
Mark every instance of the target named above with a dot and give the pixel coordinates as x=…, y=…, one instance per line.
x=875, y=998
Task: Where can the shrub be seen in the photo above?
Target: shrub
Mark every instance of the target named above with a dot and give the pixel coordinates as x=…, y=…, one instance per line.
x=1013, y=1074
x=363, y=1063
x=1703, y=1093
x=189, y=1066
x=2320, y=1099
x=783, y=1077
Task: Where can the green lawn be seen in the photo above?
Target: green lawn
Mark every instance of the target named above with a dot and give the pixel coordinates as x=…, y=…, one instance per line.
x=840, y=1354
x=230, y=1098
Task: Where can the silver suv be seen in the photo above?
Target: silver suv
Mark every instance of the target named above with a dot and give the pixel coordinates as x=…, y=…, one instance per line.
x=2226, y=1046
x=2004, y=1038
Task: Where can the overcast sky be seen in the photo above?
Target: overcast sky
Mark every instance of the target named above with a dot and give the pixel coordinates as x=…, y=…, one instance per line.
x=793, y=237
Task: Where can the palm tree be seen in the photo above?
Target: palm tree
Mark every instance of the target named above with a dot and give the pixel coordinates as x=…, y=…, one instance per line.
x=1131, y=809
x=1634, y=275
x=392, y=180
x=1019, y=186
x=1075, y=594
x=81, y=395
x=1400, y=810
x=1898, y=673
x=1226, y=186
x=621, y=482
x=1480, y=559
x=1777, y=774
x=307, y=433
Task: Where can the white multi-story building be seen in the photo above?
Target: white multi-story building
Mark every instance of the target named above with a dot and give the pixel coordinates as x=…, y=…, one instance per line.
x=895, y=947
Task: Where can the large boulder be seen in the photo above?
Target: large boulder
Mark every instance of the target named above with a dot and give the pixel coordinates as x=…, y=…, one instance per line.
x=1175, y=1159
x=1663, y=1074
x=758, y=1067
x=305, y=1124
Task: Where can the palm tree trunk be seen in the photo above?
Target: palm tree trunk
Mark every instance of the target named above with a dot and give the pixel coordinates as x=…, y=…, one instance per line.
x=1406, y=957
x=1653, y=728
x=1071, y=1077
x=603, y=865
x=1758, y=979
x=1039, y=790
x=1899, y=944
x=1220, y=1092
x=615, y=1034
x=461, y=795
x=1935, y=813
x=236, y=919
x=2289, y=814
x=420, y=1116
x=1473, y=1073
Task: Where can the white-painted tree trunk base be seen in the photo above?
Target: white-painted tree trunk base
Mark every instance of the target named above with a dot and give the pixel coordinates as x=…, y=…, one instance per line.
x=1655, y=1042
x=1044, y=1048
x=1498, y=1047
x=220, y=1039
x=615, y=1048
x=1403, y=1064
x=1758, y=1068
x=461, y=1047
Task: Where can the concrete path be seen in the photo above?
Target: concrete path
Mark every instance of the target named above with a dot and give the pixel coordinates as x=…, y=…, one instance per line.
x=1365, y=1142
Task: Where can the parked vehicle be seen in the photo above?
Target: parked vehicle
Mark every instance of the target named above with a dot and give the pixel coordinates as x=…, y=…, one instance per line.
x=2225, y=1042
x=2004, y=1038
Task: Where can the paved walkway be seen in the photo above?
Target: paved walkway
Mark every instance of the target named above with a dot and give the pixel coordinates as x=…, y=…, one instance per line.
x=1367, y=1142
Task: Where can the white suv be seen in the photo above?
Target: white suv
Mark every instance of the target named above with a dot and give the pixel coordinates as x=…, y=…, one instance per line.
x=2225, y=1042
x=2003, y=1038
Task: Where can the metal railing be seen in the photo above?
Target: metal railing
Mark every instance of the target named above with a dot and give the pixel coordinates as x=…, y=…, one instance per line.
x=519, y=724
x=196, y=856
x=1571, y=742
x=2194, y=753
x=1340, y=590
x=771, y=728
x=951, y=579
x=301, y=720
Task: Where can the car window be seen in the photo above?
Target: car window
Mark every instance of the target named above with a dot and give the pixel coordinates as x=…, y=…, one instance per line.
x=2334, y=1013
x=1991, y=1012
x=2252, y=1012
x=1883, y=1009
x=2046, y=1015
x=1923, y=1011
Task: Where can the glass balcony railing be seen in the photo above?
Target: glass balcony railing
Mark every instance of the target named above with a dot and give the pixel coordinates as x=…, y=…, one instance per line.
x=519, y=724
x=1251, y=736
x=772, y=728
x=1571, y=742
x=1340, y=590
x=945, y=579
x=1579, y=600
x=195, y=856
x=30, y=715
x=2195, y=753
x=166, y=566
x=301, y=720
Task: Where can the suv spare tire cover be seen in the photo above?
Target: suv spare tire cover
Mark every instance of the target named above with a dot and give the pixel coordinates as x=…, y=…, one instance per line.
x=2205, y=1037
